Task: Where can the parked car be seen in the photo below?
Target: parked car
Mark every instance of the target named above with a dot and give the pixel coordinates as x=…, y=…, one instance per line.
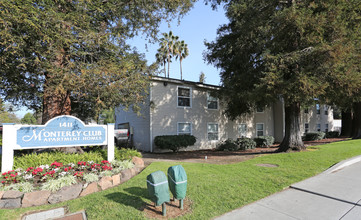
x=123, y=135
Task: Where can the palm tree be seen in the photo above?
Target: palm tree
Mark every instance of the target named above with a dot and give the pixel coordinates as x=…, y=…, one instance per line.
x=181, y=51
x=161, y=58
x=167, y=43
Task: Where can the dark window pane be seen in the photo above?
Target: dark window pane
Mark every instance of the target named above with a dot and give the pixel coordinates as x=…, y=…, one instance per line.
x=184, y=101
x=184, y=92
x=212, y=104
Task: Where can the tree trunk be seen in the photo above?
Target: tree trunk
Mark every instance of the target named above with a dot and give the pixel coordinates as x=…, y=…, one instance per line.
x=56, y=99
x=55, y=104
x=180, y=62
x=293, y=138
x=346, y=126
x=168, y=63
x=356, y=121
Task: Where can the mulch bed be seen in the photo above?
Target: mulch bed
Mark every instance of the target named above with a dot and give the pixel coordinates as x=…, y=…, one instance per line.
x=172, y=210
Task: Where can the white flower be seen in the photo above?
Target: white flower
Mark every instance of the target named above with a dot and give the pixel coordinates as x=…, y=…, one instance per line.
x=62, y=173
x=28, y=176
x=44, y=166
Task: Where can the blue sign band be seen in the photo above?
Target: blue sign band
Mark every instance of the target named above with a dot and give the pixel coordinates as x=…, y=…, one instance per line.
x=61, y=131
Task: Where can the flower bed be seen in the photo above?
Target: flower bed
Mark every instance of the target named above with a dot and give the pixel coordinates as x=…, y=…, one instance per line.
x=57, y=182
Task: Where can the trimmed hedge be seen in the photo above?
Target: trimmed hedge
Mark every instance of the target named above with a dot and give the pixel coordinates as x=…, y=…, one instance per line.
x=174, y=142
x=332, y=134
x=228, y=145
x=240, y=144
x=314, y=136
x=246, y=143
x=264, y=141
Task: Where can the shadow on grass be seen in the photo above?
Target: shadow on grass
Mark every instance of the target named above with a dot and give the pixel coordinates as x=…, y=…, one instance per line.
x=134, y=197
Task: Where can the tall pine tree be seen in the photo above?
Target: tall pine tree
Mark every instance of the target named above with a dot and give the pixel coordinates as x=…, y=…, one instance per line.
x=276, y=49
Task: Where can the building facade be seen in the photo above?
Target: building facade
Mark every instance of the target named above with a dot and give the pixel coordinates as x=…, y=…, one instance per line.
x=183, y=107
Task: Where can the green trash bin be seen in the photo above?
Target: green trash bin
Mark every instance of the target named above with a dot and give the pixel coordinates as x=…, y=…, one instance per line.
x=177, y=179
x=157, y=185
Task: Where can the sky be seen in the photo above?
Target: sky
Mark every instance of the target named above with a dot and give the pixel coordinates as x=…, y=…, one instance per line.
x=201, y=23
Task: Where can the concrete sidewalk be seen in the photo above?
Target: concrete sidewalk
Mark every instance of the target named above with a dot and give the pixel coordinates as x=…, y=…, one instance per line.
x=333, y=194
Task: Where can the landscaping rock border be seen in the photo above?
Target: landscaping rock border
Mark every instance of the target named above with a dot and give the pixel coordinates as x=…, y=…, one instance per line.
x=14, y=199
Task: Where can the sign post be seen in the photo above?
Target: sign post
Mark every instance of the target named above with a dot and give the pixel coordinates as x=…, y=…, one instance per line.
x=61, y=131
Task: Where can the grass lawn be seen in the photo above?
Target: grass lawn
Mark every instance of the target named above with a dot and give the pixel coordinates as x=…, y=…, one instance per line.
x=213, y=189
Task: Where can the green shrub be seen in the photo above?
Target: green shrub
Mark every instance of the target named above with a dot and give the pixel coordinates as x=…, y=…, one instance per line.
x=264, y=141
x=124, y=164
x=90, y=177
x=228, y=145
x=96, y=155
x=22, y=187
x=314, y=136
x=126, y=154
x=245, y=143
x=332, y=134
x=174, y=142
x=35, y=160
x=56, y=184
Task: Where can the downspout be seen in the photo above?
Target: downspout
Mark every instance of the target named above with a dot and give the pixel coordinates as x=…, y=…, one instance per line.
x=150, y=121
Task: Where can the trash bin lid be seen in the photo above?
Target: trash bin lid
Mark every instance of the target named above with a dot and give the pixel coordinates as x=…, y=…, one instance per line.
x=157, y=178
x=177, y=174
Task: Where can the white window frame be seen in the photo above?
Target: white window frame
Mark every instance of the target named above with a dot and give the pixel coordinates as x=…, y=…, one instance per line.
x=260, y=130
x=326, y=127
x=213, y=132
x=190, y=96
x=179, y=132
x=325, y=109
x=209, y=95
x=238, y=130
x=318, y=127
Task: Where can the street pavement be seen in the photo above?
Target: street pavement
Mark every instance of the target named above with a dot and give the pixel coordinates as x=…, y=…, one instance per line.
x=333, y=194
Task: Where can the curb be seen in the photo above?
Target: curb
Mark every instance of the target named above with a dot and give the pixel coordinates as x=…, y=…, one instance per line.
x=342, y=164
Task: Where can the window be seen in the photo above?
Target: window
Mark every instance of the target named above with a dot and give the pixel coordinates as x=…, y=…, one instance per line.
x=259, y=129
x=184, y=128
x=184, y=97
x=242, y=130
x=326, y=127
x=212, y=102
x=212, y=131
x=259, y=109
x=306, y=127
x=318, y=127
x=123, y=126
x=318, y=110
x=306, y=111
x=326, y=110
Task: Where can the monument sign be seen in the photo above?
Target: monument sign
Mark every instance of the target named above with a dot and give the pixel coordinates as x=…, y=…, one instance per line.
x=61, y=131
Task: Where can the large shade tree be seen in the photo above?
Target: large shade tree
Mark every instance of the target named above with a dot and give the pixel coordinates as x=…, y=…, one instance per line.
x=345, y=80
x=53, y=53
x=273, y=50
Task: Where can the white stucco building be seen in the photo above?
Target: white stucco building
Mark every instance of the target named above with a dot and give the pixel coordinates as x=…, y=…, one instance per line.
x=183, y=107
